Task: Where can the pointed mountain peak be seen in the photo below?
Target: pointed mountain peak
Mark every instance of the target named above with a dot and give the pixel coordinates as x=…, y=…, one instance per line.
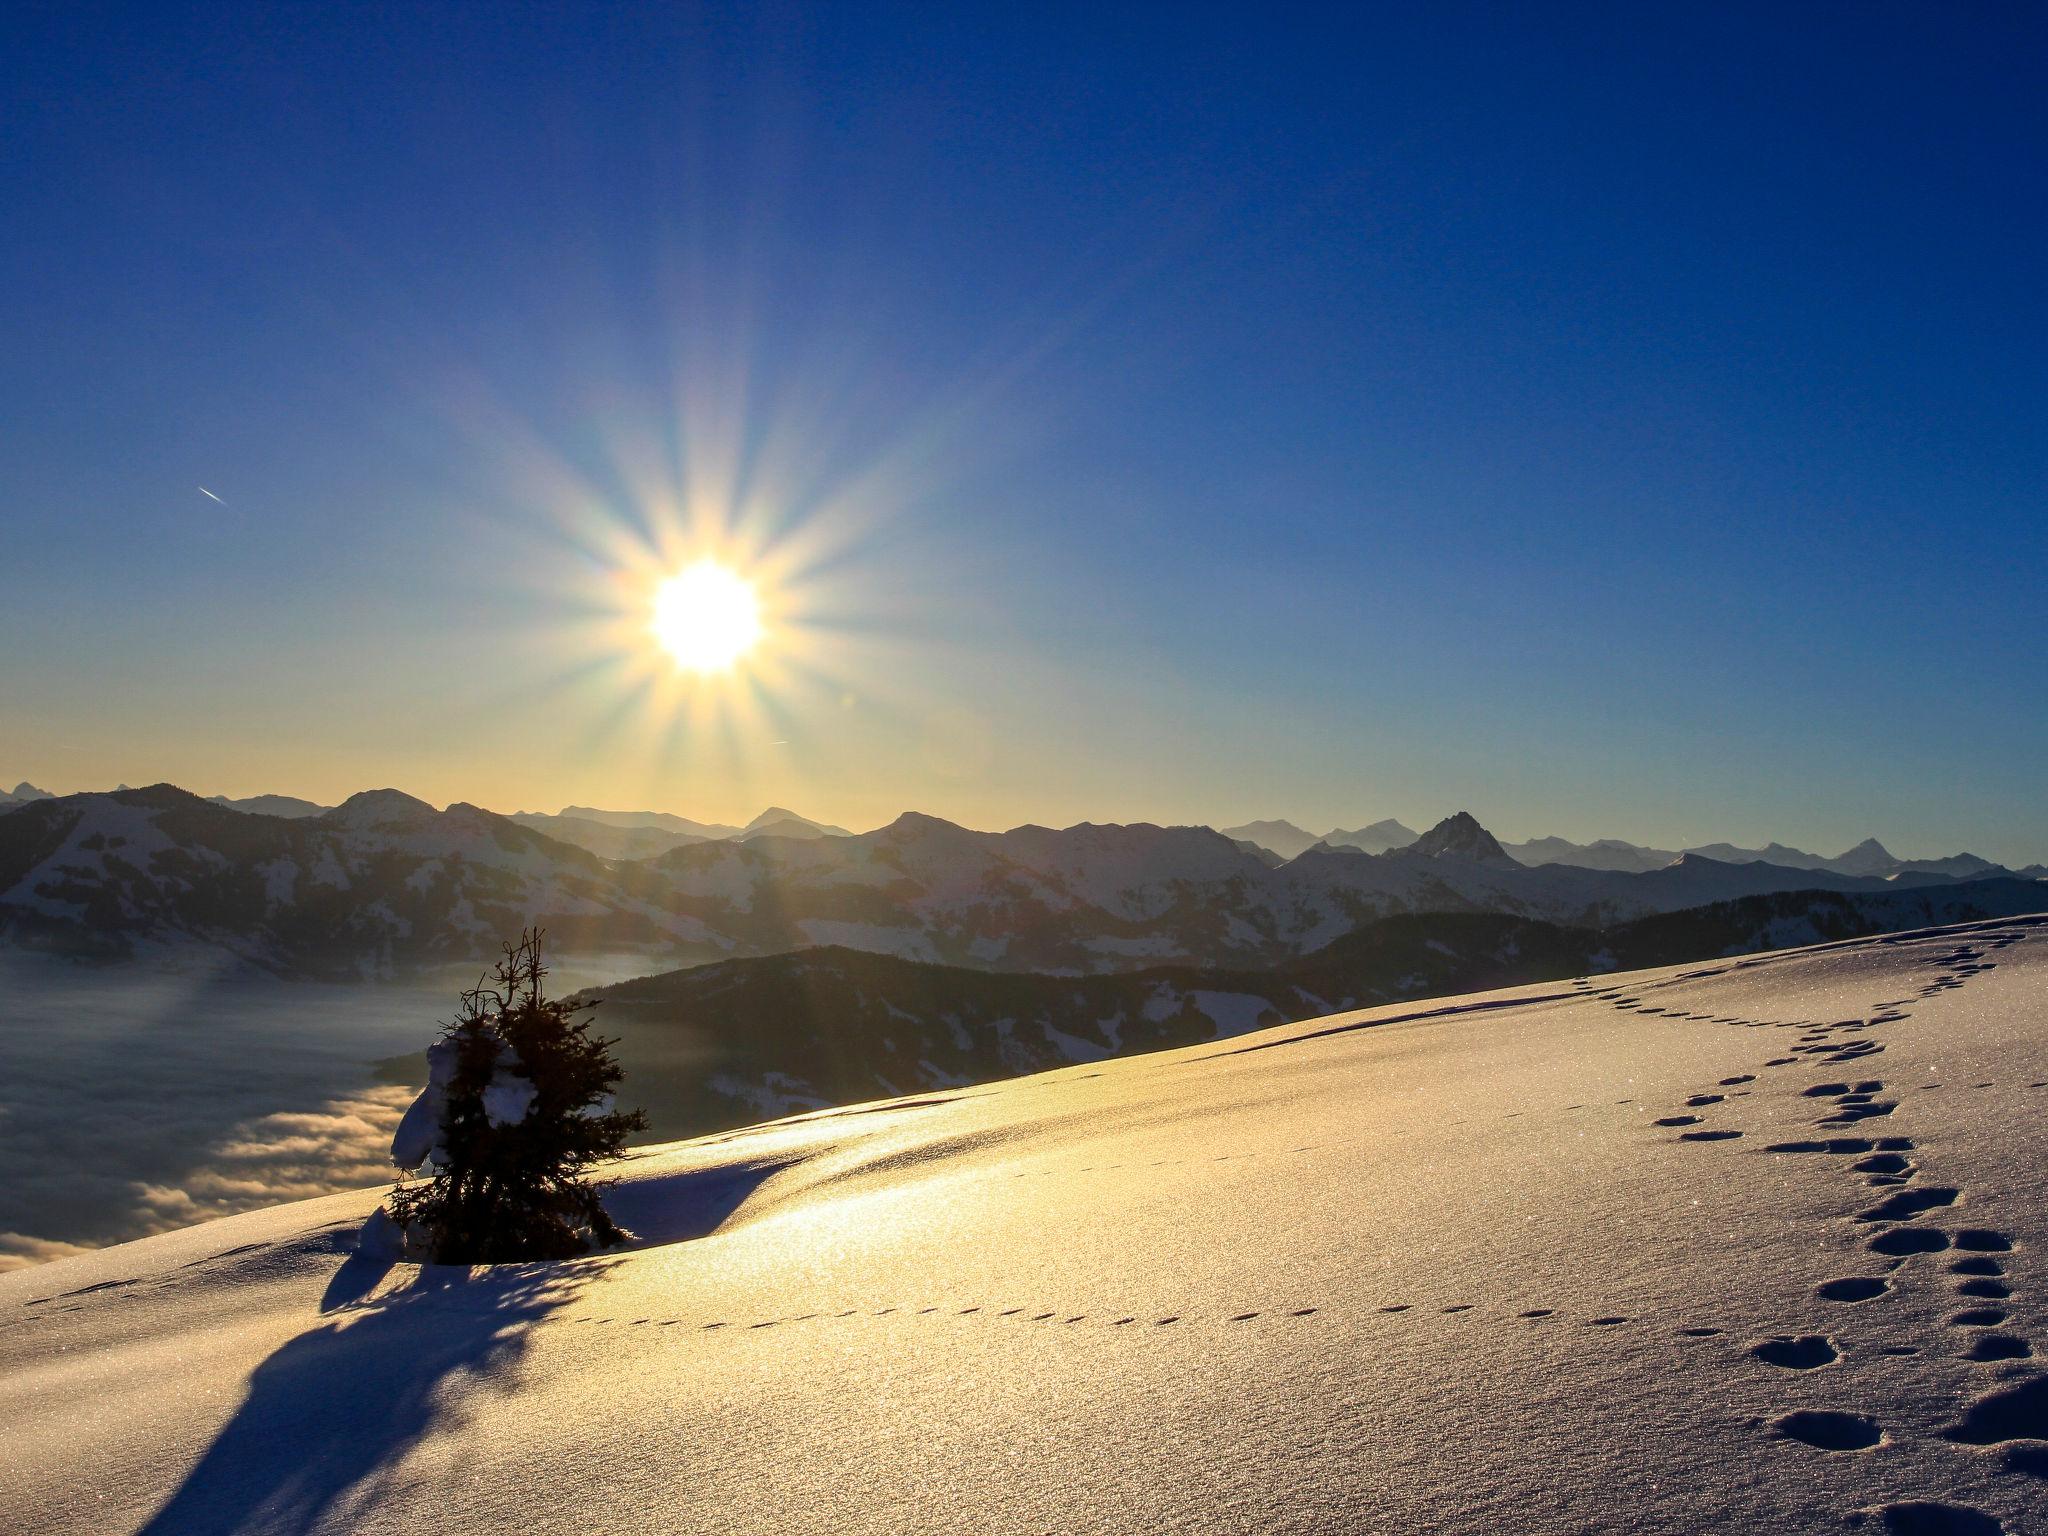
x=27, y=791
x=1460, y=836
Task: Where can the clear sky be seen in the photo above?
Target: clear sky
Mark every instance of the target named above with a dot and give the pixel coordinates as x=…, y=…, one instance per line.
x=1615, y=420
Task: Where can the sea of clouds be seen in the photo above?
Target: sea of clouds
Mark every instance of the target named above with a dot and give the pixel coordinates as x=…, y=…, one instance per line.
x=134, y=1102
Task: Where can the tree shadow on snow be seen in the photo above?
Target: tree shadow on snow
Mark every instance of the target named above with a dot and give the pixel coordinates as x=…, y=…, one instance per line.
x=328, y=1418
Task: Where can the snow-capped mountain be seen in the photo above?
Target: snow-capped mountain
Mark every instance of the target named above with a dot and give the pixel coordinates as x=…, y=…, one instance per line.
x=382, y=883
x=385, y=882
x=1459, y=837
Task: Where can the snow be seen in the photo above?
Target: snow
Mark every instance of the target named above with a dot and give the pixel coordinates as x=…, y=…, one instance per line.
x=507, y=1098
x=1452, y=1266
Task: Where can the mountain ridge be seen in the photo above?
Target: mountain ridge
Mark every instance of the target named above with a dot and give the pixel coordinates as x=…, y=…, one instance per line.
x=384, y=884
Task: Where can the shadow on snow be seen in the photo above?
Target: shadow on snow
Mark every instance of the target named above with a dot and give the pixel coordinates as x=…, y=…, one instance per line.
x=330, y=1416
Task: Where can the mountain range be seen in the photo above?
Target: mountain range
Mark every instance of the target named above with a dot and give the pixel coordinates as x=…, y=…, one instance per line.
x=1869, y=857
x=385, y=884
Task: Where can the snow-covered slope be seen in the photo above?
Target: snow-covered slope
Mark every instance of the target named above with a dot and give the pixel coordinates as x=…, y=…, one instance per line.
x=1748, y=1246
x=714, y=1046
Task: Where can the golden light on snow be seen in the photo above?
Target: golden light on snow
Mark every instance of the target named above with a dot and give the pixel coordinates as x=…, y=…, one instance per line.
x=707, y=617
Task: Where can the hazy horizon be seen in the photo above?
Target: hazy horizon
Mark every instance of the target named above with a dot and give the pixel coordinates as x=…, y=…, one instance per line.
x=1418, y=822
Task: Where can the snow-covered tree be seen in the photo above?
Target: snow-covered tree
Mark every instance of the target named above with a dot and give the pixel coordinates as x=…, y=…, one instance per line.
x=518, y=1106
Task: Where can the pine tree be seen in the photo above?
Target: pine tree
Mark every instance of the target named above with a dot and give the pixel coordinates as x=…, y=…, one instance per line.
x=518, y=1108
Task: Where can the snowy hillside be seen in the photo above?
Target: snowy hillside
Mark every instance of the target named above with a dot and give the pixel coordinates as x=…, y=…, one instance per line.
x=1747, y=1246
x=719, y=1045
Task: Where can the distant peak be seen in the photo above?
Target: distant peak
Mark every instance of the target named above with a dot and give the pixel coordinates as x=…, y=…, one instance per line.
x=784, y=822
x=1460, y=836
x=380, y=807
x=27, y=791
x=918, y=821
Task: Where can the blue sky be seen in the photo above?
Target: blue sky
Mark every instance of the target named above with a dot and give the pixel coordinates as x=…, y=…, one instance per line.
x=1614, y=420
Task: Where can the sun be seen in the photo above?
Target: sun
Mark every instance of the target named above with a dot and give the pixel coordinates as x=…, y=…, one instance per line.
x=707, y=617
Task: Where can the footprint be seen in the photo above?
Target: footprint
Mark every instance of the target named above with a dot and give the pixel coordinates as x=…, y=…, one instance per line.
x=1977, y=1266
x=1988, y=1290
x=1702, y=1100
x=1678, y=1120
x=2017, y=1412
x=1828, y=1430
x=1908, y=1203
x=2028, y=1456
x=1929, y=1517
x=1983, y=1240
x=1908, y=1240
x=1978, y=1317
x=1852, y=1288
x=1796, y=1352
x=1540, y=1312
x=1708, y=1135
x=1998, y=1346
x=1881, y=1162
x=1699, y=1333
x=1746, y=1077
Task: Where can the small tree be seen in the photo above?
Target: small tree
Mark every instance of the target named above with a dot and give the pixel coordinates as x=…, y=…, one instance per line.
x=517, y=1107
